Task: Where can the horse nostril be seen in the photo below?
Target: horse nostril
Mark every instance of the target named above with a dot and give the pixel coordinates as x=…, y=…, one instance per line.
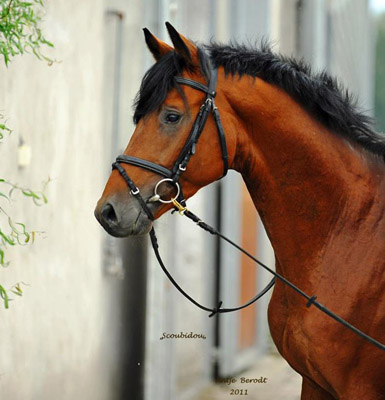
x=108, y=214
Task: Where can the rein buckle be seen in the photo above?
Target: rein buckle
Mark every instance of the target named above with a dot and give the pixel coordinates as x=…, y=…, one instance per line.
x=181, y=209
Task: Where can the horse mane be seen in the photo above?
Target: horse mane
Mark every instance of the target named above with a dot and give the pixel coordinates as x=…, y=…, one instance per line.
x=318, y=93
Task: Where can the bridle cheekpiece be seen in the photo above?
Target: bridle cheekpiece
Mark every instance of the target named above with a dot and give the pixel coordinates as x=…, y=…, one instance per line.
x=180, y=165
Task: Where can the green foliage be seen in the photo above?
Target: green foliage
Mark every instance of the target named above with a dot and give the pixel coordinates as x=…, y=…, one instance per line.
x=380, y=74
x=16, y=233
x=20, y=31
x=3, y=128
x=16, y=289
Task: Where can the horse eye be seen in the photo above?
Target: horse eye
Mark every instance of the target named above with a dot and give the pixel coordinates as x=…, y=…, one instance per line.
x=171, y=118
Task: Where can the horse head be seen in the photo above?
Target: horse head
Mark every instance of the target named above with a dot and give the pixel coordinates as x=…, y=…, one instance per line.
x=167, y=110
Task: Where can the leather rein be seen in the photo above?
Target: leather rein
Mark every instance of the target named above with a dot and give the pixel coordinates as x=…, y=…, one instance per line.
x=173, y=175
x=179, y=202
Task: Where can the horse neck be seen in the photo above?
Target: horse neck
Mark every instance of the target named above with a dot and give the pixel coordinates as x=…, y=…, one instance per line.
x=310, y=186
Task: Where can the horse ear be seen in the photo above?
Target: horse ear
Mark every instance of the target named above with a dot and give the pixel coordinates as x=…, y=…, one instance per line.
x=157, y=47
x=184, y=47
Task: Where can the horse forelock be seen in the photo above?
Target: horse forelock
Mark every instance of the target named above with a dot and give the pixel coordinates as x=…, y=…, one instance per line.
x=159, y=80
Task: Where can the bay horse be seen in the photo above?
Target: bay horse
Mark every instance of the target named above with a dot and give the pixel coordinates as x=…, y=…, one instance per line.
x=314, y=168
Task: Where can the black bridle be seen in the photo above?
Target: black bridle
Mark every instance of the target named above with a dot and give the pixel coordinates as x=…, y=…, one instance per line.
x=179, y=202
x=173, y=175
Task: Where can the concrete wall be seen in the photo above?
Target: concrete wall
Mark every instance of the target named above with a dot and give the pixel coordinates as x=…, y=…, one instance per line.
x=56, y=342
x=350, y=48
x=336, y=35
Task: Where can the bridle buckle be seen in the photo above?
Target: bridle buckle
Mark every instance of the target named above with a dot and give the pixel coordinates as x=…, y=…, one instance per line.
x=209, y=102
x=181, y=209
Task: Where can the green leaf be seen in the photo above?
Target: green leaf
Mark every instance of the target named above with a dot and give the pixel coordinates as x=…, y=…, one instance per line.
x=17, y=290
x=30, y=193
x=7, y=239
x=22, y=236
x=4, y=296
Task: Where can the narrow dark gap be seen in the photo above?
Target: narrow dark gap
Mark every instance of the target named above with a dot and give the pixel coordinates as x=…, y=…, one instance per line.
x=217, y=278
x=298, y=28
x=133, y=328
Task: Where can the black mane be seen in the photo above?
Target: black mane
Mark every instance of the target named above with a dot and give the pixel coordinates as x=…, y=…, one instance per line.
x=321, y=95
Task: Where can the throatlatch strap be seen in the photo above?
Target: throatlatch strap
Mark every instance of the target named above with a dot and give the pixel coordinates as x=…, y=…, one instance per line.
x=222, y=141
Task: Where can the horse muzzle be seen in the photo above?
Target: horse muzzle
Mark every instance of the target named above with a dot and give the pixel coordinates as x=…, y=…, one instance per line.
x=122, y=218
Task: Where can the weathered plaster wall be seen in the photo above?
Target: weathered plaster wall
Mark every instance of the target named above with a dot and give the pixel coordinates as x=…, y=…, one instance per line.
x=54, y=341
